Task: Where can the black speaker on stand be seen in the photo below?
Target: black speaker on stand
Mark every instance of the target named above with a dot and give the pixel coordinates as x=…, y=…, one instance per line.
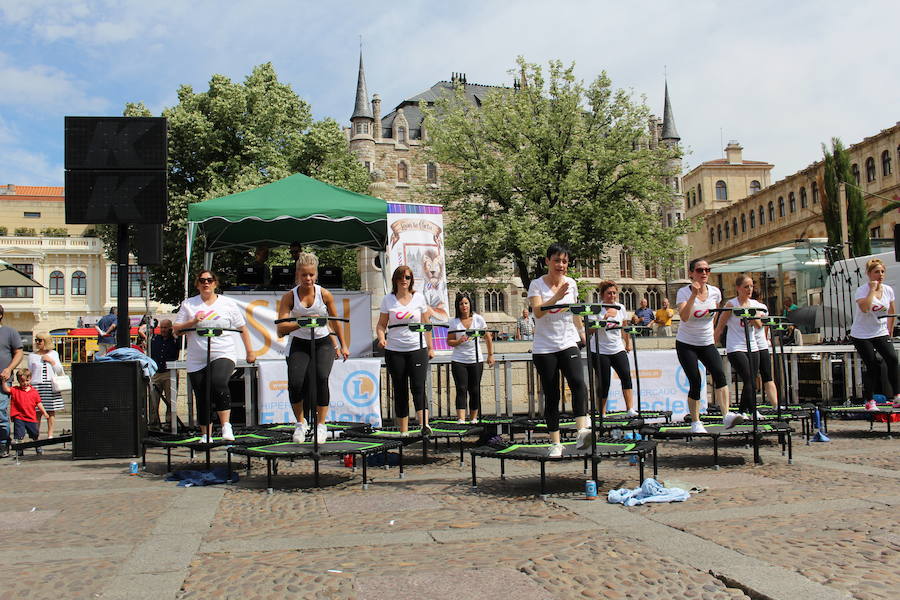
x=109, y=409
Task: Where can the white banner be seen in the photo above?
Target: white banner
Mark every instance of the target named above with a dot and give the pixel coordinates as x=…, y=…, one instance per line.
x=416, y=239
x=354, y=387
x=260, y=310
x=664, y=385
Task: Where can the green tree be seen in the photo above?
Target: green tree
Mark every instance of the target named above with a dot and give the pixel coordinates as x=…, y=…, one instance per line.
x=230, y=138
x=553, y=160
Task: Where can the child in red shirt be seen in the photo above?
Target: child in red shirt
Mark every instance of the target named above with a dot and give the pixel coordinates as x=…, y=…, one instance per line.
x=24, y=401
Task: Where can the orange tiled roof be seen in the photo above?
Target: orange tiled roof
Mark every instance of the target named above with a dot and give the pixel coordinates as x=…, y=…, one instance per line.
x=39, y=190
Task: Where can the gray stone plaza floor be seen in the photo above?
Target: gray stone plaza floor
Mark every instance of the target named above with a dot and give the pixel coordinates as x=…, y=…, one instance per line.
x=823, y=527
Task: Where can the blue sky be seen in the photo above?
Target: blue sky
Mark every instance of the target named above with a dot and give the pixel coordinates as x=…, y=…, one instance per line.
x=780, y=77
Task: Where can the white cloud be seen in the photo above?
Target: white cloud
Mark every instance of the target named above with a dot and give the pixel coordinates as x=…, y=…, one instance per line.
x=21, y=166
x=42, y=87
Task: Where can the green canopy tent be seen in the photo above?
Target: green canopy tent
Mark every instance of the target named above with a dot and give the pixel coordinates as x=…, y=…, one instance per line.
x=294, y=208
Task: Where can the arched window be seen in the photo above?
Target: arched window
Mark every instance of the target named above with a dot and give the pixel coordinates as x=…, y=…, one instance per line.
x=719, y=231
x=885, y=163
x=57, y=284
x=700, y=189
x=401, y=135
x=815, y=192
x=653, y=298
x=780, y=206
x=734, y=226
x=762, y=216
x=754, y=187
x=792, y=202
x=651, y=271
x=870, y=169
x=79, y=283
x=494, y=300
x=402, y=172
x=712, y=236
x=596, y=296
x=431, y=175
x=772, y=211
x=626, y=264
x=727, y=230
x=721, y=190
x=803, y=201
x=855, y=170
x=627, y=297
x=744, y=221
x=753, y=218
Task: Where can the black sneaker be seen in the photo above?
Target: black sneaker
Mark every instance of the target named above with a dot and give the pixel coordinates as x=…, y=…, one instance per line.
x=38, y=450
x=4, y=450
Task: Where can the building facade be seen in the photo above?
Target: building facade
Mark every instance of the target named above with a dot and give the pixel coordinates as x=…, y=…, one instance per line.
x=390, y=145
x=68, y=260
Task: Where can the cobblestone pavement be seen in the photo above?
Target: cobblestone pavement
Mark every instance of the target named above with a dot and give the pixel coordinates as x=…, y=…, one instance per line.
x=822, y=527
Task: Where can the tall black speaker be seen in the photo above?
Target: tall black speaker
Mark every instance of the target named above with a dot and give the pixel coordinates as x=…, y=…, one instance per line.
x=116, y=197
x=331, y=277
x=109, y=409
x=149, y=244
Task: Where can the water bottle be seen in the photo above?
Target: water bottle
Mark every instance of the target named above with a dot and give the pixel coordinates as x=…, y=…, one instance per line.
x=590, y=490
x=133, y=468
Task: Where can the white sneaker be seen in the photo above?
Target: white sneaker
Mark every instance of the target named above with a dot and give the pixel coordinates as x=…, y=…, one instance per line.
x=732, y=419
x=204, y=439
x=631, y=414
x=584, y=438
x=300, y=431
x=460, y=421
x=556, y=451
x=474, y=421
x=322, y=433
x=227, y=432
x=697, y=427
x=759, y=416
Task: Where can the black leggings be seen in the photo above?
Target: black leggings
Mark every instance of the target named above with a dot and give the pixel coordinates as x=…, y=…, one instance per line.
x=688, y=357
x=220, y=371
x=872, y=377
x=746, y=366
x=468, y=381
x=407, y=369
x=299, y=370
x=765, y=367
x=602, y=364
x=548, y=367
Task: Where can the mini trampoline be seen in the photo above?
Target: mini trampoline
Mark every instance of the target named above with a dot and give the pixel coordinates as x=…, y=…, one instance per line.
x=646, y=415
x=770, y=415
x=17, y=447
x=342, y=427
x=716, y=431
x=447, y=431
x=844, y=412
x=193, y=443
x=291, y=450
x=567, y=426
x=606, y=448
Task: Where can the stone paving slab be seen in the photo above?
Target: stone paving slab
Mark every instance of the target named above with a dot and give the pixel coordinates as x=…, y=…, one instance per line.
x=57, y=579
x=25, y=520
x=451, y=584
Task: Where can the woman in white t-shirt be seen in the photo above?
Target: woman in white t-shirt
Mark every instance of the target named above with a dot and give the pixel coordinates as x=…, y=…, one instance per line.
x=694, y=342
x=310, y=300
x=764, y=343
x=744, y=361
x=466, y=370
x=610, y=348
x=406, y=354
x=210, y=310
x=870, y=334
x=557, y=333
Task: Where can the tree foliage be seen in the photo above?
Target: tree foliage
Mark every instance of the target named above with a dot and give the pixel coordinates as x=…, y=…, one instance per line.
x=553, y=160
x=837, y=170
x=234, y=137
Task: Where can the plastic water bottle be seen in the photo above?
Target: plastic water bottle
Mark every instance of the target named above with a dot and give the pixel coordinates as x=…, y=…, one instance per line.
x=133, y=468
x=590, y=490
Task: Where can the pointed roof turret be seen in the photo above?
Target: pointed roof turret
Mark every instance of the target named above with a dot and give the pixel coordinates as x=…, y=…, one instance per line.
x=362, y=107
x=669, y=132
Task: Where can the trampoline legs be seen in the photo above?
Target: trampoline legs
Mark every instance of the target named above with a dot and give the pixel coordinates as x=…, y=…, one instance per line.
x=462, y=458
x=655, y=470
x=543, y=479
x=208, y=462
x=400, y=450
x=424, y=451
x=502, y=469
x=715, y=451
x=585, y=471
x=316, y=471
x=143, y=456
x=269, y=475
x=474, y=479
x=790, y=449
x=365, y=472
x=228, y=453
x=275, y=466
x=168, y=460
x=384, y=454
x=248, y=464
x=641, y=458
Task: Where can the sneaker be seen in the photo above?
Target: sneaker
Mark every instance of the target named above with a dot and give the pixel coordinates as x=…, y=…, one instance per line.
x=556, y=451
x=871, y=406
x=426, y=430
x=38, y=450
x=475, y=420
x=300, y=431
x=697, y=427
x=732, y=419
x=205, y=439
x=460, y=421
x=404, y=434
x=4, y=450
x=759, y=416
x=584, y=438
x=321, y=433
x=631, y=413
x=227, y=432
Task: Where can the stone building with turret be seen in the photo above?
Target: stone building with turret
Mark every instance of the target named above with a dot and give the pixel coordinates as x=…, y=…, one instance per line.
x=390, y=146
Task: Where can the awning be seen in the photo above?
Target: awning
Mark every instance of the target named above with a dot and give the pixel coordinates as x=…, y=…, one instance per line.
x=10, y=277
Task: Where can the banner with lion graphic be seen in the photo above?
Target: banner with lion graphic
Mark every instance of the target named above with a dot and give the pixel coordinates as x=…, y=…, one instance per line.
x=416, y=239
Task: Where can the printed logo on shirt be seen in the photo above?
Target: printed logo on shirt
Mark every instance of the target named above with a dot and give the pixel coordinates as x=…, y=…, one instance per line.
x=400, y=316
x=701, y=313
x=878, y=307
x=555, y=310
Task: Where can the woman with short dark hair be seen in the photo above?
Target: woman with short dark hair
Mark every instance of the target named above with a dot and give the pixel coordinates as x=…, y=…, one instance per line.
x=466, y=370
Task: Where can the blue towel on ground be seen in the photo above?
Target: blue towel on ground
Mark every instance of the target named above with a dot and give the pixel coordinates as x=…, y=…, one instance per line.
x=147, y=363
x=213, y=476
x=650, y=491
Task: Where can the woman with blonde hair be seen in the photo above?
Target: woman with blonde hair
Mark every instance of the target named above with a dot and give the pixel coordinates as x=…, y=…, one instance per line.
x=871, y=334
x=44, y=363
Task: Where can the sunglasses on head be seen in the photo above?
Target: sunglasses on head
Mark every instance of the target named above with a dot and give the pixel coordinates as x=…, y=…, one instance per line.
x=206, y=279
x=702, y=270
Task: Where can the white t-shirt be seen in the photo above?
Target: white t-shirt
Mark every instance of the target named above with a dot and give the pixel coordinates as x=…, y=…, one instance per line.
x=735, y=340
x=763, y=341
x=223, y=313
x=554, y=331
x=316, y=309
x=699, y=328
x=610, y=342
x=465, y=352
x=401, y=339
x=867, y=325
